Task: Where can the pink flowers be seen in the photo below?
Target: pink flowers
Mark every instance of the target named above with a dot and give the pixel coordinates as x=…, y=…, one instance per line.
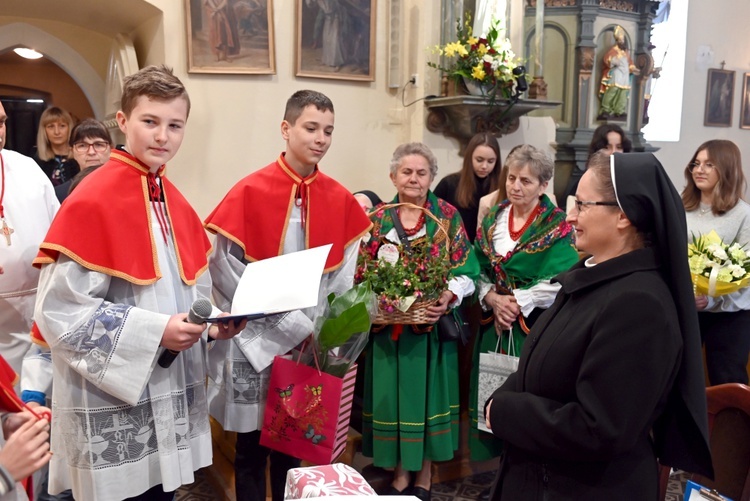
x=421, y=273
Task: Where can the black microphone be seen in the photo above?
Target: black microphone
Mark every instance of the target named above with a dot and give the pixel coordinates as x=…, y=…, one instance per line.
x=198, y=314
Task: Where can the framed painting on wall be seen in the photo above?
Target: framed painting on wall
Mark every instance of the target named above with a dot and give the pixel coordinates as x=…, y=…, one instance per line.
x=230, y=36
x=336, y=39
x=745, y=109
x=719, y=95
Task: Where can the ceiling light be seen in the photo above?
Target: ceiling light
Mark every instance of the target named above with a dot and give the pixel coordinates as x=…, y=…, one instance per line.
x=35, y=100
x=27, y=53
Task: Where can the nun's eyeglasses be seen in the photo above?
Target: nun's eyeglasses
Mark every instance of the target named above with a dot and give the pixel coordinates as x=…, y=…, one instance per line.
x=707, y=167
x=580, y=204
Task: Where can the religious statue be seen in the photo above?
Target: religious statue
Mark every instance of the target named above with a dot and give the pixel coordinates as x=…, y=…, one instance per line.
x=617, y=67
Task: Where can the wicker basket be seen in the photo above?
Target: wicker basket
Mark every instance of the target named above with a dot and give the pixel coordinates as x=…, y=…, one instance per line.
x=417, y=313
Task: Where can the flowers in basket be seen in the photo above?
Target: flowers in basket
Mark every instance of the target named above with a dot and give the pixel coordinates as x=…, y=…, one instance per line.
x=717, y=268
x=486, y=61
x=399, y=278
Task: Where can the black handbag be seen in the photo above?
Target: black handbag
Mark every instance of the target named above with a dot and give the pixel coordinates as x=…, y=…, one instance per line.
x=451, y=326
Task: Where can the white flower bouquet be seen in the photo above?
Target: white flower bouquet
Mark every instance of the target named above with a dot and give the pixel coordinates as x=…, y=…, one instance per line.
x=717, y=268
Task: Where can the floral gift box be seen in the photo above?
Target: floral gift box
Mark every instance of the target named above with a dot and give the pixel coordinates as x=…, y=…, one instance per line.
x=328, y=480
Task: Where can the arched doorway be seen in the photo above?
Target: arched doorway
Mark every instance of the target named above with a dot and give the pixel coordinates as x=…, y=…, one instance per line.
x=89, y=46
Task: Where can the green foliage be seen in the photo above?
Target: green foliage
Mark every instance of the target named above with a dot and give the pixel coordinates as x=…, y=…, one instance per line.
x=420, y=275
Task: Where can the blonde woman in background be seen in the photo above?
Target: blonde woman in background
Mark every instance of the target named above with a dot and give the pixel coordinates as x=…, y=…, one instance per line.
x=53, y=152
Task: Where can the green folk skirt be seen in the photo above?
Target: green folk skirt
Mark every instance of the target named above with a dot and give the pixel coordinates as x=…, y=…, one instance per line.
x=411, y=406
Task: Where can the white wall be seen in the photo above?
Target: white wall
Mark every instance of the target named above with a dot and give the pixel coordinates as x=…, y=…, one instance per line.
x=234, y=125
x=720, y=24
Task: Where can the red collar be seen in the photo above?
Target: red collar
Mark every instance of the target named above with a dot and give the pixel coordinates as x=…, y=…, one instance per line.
x=106, y=222
x=255, y=213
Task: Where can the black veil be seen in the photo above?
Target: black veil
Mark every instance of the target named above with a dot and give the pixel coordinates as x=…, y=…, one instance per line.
x=650, y=201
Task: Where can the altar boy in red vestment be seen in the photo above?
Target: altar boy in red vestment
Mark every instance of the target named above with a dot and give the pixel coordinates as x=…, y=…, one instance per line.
x=287, y=206
x=125, y=257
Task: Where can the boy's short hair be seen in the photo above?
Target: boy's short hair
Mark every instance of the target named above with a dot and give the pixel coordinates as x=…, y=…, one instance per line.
x=155, y=82
x=301, y=99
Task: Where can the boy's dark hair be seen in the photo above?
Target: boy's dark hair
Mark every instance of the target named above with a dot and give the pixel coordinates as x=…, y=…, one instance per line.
x=79, y=177
x=90, y=128
x=301, y=99
x=155, y=82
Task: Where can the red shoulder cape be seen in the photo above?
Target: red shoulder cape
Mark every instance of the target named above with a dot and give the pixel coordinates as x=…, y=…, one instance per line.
x=105, y=226
x=255, y=213
x=9, y=401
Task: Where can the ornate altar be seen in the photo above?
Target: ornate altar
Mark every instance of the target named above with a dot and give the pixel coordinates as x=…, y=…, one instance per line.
x=577, y=35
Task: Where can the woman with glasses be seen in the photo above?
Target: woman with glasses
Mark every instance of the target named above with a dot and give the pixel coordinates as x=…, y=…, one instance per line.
x=610, y=379
x=522, y=243
x=713, y=201
x=90, y=145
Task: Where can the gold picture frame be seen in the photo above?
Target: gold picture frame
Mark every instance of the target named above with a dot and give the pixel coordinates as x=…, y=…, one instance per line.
x=745, y=109
x=336, y=39
x=230, y=36
x=719, y=96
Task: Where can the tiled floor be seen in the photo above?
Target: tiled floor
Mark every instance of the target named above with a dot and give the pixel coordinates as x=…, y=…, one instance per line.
x=466, y=489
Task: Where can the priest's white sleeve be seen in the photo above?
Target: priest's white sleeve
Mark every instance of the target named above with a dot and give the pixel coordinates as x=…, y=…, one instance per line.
x=111, y=345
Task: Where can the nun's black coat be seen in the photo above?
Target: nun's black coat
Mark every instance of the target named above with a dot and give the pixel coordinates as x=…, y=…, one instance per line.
x=596, y=372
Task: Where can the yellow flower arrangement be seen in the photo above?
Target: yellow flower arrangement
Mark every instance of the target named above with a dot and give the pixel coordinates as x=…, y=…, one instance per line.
x=488, y=61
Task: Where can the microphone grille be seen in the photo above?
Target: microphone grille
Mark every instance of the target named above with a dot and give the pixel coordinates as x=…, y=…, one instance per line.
x=202, y=309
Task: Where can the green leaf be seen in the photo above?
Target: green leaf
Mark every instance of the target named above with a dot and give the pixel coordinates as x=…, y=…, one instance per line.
x=360, y=293
x=337, y=330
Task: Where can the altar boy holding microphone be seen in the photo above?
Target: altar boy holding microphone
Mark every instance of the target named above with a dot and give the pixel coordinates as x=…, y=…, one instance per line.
x=123, y=261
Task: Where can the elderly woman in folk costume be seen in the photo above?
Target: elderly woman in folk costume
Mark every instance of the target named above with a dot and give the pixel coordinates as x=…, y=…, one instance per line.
x=411, y=379
x=521, y=244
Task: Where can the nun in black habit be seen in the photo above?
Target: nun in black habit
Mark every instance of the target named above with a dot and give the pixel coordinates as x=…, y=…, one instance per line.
x=610, y=379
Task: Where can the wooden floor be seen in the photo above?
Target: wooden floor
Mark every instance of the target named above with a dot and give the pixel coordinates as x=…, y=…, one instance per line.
x=221, y=473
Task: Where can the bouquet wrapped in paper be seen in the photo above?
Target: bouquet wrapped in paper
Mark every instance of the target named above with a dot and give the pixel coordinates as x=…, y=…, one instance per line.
x=717, y=268
x=340, y=333
x=310, y=398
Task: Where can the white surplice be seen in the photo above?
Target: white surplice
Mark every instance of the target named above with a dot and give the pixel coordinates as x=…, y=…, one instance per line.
x=240, y=368
x=30, y=205
x=122, y=424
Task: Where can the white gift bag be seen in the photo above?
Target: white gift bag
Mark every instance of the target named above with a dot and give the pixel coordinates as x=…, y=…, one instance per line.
x=494, y=369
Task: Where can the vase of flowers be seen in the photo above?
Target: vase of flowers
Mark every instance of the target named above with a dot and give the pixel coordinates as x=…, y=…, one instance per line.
x=475, y=88
x=717, y=268
x=484, y=64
